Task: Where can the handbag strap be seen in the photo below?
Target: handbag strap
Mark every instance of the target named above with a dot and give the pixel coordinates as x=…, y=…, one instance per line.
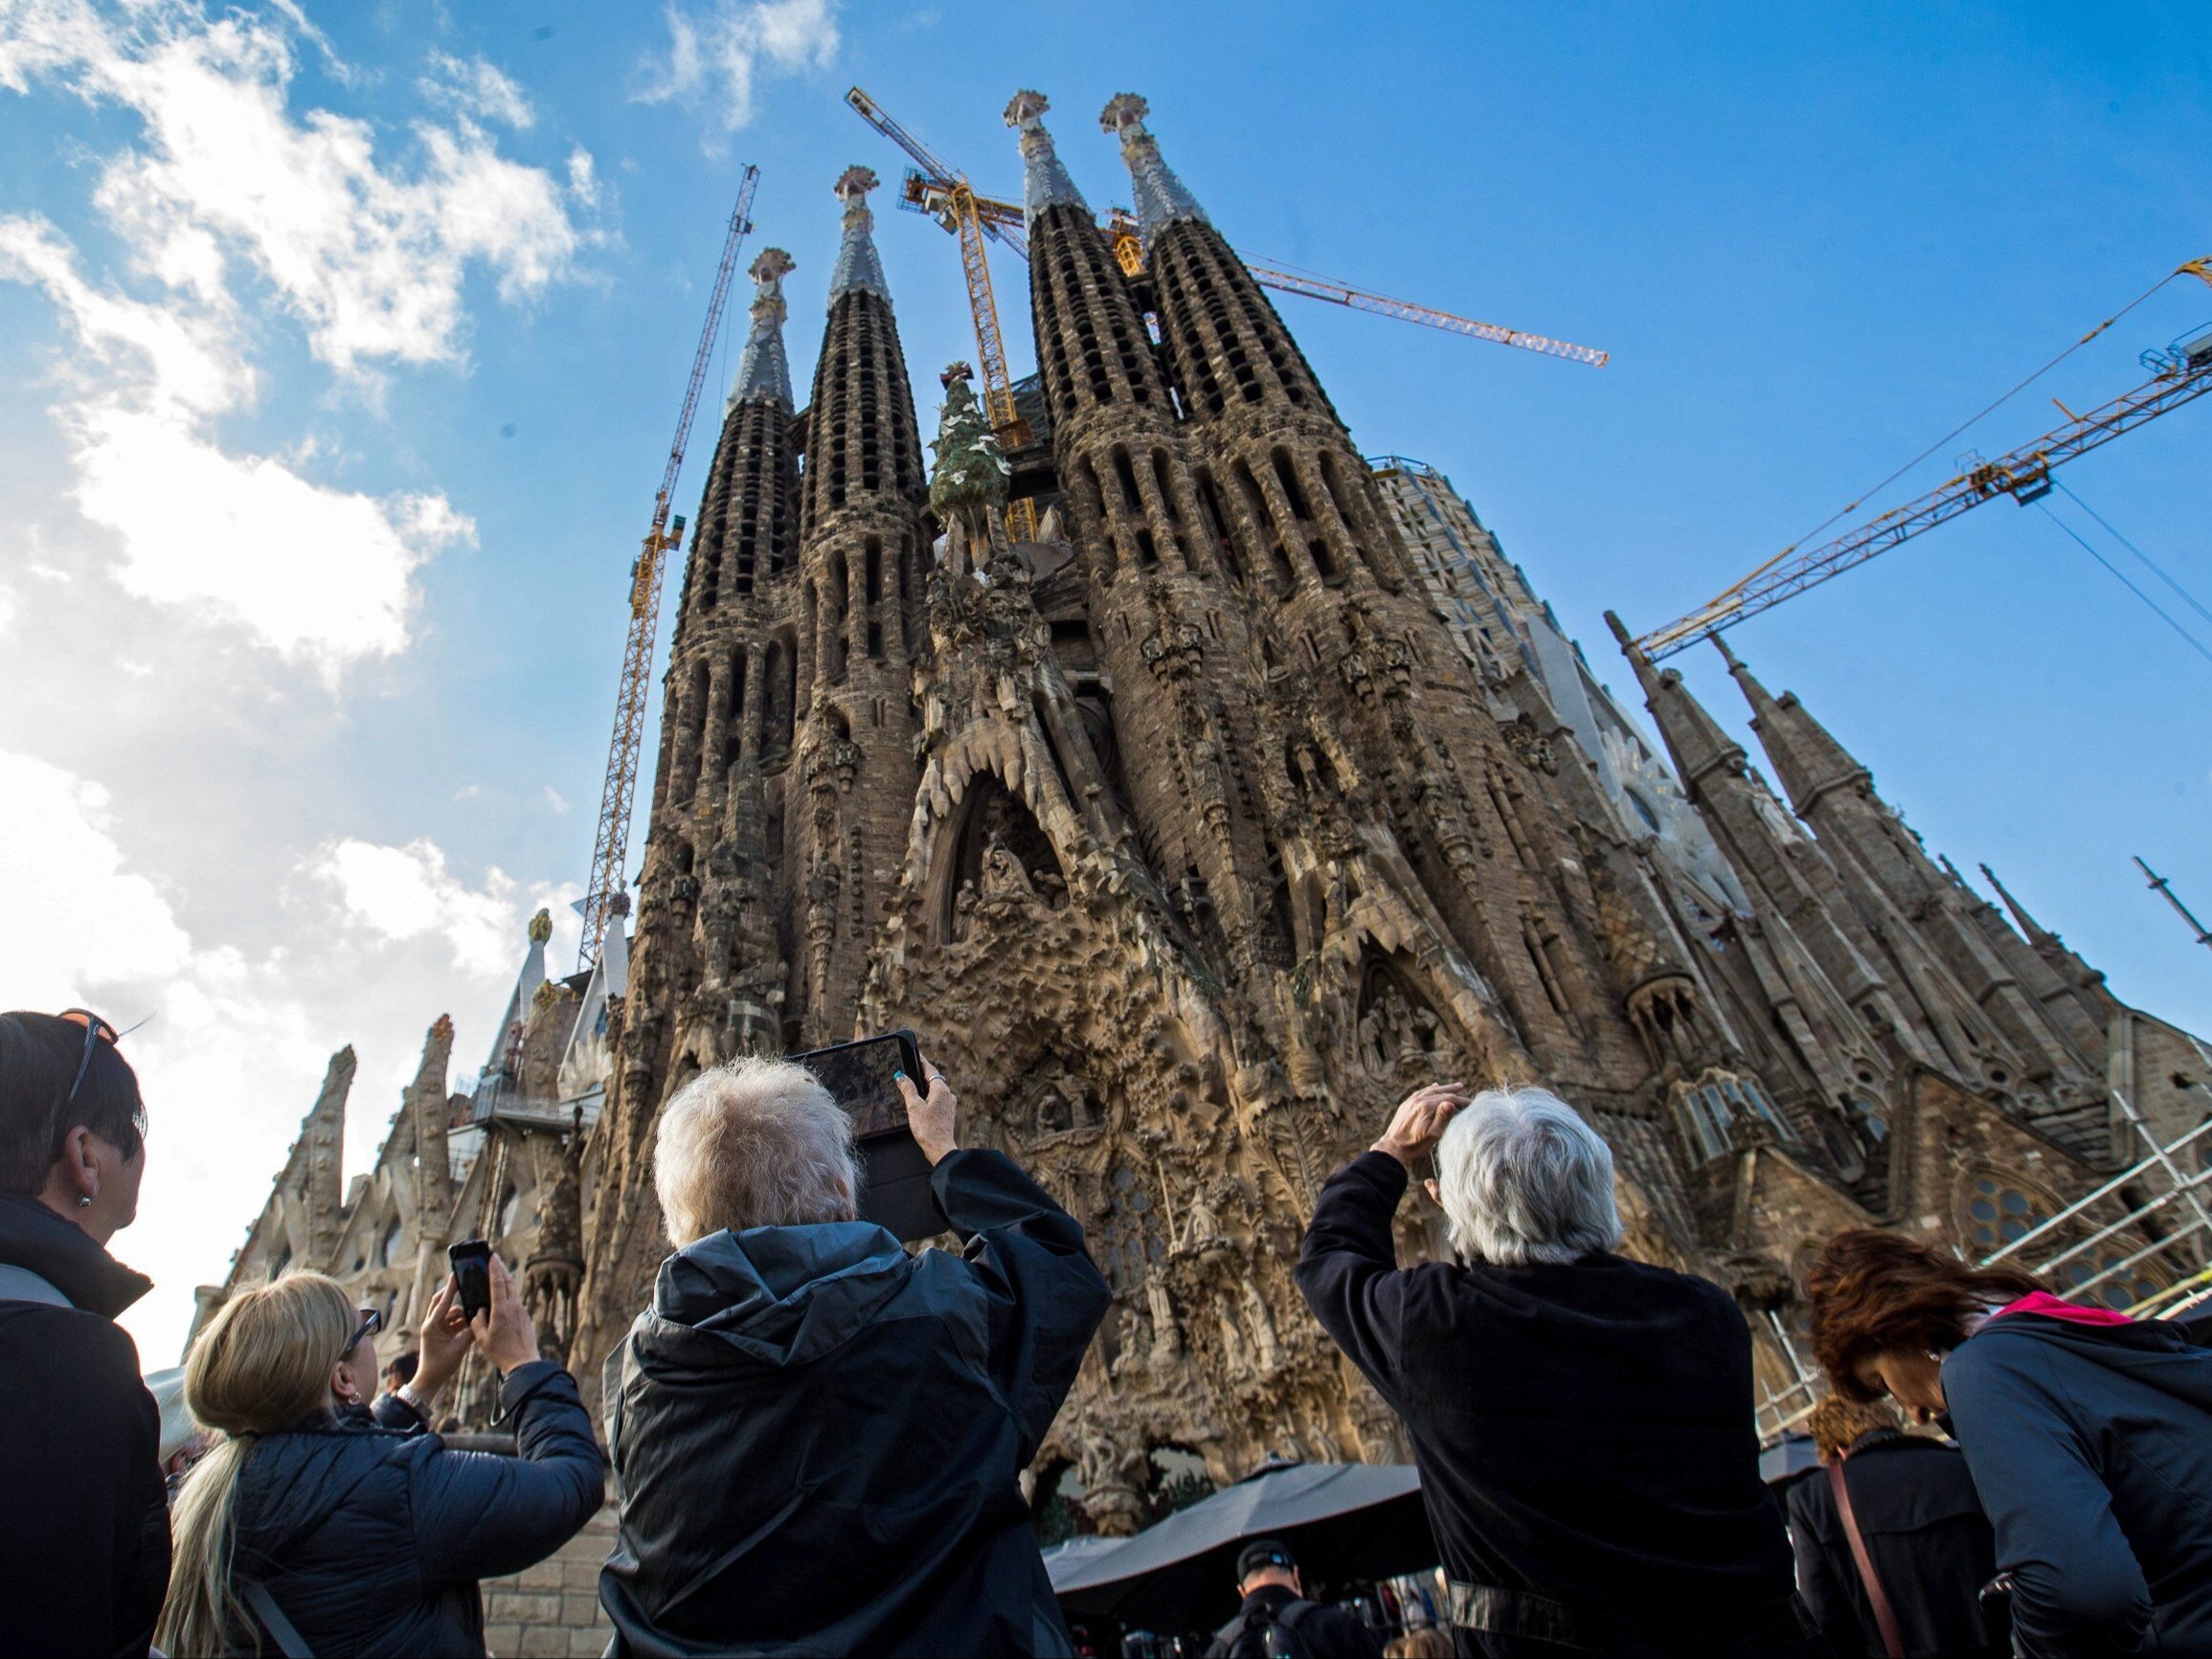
x=1884, y=1615
x=289, y=1642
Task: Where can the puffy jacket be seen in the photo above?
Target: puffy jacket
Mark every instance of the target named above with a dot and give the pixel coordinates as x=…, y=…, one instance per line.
x=2092, y=1447
x=371, y=1542
x=817, y=1438
x=83, y=1516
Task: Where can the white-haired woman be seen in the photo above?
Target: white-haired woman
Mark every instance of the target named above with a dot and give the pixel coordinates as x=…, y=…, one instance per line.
x=306, y=1530
x=817, y=1438
x=1582, y=1422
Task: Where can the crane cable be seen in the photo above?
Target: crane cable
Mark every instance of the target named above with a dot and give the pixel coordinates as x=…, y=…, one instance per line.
x=2187, y=598
x=2119, y=575
x=1737, y=587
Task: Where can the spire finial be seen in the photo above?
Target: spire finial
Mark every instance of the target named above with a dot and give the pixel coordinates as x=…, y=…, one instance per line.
x=857, y=264
x=1044, y=181
x=763, y=372
x=1162, y=198
x=2035, y=930
x=541, y=927
x=1727, y=656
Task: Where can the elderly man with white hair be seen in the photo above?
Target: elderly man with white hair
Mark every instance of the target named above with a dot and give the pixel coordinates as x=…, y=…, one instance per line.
x=1582, y=1422
x=817, y=1438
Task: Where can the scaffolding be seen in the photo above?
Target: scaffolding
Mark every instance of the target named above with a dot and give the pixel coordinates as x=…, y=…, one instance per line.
x=2152, y=1221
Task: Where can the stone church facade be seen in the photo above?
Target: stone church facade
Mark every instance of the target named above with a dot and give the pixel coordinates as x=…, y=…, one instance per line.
x=1190, y=840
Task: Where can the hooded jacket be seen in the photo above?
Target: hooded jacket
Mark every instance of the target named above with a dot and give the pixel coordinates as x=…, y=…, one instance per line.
x=817, y=1438
x=371, y=1541
x=83, y=1516
x=2092, y=1447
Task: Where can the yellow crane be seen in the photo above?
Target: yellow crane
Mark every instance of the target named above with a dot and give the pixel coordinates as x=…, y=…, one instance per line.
x=934, y=187
x=2181, y=375
x=611, y=844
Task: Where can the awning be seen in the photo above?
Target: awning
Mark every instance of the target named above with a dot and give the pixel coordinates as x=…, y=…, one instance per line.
x=1343, y=1521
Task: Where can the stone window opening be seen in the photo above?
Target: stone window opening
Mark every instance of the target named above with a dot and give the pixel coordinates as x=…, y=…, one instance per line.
x=874, y=571
x=1001, y=854
x=1130, y=1239
x=734, y=716
x=1291, y=490
x=1722, y=1109
x=780, y=699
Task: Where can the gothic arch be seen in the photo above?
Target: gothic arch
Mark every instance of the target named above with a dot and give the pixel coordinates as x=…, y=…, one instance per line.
x=995, y=846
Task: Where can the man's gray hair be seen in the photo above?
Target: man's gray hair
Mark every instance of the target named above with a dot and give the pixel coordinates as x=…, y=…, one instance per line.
x=757, y=1143
x=1523, y=1179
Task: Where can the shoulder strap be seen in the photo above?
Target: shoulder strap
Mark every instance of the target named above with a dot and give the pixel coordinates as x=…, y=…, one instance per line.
x=22, y=1285
x=289, y=1642
x=1292, y=1612
x=1884, y=1615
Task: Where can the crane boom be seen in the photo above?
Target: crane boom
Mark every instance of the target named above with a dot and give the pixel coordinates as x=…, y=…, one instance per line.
x=935, y=189
x=1406, y=311
x=2025, y=474
x=611, y=844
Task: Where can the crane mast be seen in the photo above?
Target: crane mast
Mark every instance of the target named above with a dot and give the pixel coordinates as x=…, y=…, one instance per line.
x=946, y=196
x=611, y=844
x=2180, y=376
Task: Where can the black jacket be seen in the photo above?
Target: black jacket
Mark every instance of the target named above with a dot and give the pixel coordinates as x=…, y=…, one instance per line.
x=817, y=1438
x=1584, y=1431
x=83, y=1516
x=2092, y=1447
x=371, y=1542
x=1323, y=1632
x=1930, y=1542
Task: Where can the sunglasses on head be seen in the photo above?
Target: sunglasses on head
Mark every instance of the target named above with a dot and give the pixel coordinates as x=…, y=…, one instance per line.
x=372, y=1322
x=95, y=1028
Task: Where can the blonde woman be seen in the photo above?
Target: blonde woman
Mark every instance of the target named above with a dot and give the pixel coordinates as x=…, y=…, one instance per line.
x=306, y=1530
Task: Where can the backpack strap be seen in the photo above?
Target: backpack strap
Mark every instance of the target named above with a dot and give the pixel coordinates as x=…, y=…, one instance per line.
x=1291, y=1612
x=22, y=1285
x=289, y=1642
x=1884, y=1615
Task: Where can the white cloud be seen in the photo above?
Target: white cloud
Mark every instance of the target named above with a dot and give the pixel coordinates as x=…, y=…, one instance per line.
x=371, y=942
x=367, y=255
x=477, y=87
x=317, y=574
x=226, y=187
x=553, y=798
x=408, y=893
x=716, y=53
x=64, y=881
x=7, y=608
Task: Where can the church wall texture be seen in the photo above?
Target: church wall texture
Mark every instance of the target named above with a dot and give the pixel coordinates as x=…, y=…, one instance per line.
x=1190, y=837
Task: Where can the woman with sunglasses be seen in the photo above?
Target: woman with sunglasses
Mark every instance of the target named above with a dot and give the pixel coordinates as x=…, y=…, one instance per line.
x=309, y=1530
x=84, y=1520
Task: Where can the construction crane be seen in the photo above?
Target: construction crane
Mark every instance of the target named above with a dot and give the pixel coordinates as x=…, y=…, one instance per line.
x=611, y=846
x=2181, y=375
x=955, y=205
x=935, y=188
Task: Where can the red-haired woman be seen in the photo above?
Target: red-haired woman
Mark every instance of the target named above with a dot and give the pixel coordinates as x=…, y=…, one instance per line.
x=2089, y=1435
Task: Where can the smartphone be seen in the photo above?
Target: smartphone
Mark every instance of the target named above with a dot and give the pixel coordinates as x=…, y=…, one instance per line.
x=472, y=1261
x=895, y=1182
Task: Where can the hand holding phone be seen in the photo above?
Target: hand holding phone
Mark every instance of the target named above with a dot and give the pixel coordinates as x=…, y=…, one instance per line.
x=875, y=1081
x=472, y=1261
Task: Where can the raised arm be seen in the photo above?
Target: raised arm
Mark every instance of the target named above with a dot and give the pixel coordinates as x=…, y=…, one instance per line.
x=478, y=1515
x=1348, y=1267
x=1048, y=1296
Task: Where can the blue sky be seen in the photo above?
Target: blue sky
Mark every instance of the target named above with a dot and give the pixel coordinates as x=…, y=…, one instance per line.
x=340, y=347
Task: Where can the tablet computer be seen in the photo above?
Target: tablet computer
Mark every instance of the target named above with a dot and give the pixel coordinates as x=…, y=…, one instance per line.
x=894, y=1173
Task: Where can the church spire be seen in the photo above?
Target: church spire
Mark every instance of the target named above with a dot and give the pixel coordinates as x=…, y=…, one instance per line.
x=1045, y=180
x=1693, y=737
x=1162, y=198
x=2034, y=930
x=1809, y=762
x=857, y=265
x=764, y=372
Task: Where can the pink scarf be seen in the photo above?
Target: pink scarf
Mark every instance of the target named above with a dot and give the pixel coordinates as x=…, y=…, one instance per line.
x=2049, y=1307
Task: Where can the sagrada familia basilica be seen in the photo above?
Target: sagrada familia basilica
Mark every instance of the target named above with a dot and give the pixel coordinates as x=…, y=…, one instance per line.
x=1257, y=789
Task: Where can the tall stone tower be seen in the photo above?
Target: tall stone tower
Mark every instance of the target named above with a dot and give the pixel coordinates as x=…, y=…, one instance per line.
x=1190, y=841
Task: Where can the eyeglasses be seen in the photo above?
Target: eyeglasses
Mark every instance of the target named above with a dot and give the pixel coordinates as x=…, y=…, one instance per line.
x=372, y=1322
x=95, y=1028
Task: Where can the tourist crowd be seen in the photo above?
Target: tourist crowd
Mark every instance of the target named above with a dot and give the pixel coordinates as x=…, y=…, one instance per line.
x=816, y=1436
